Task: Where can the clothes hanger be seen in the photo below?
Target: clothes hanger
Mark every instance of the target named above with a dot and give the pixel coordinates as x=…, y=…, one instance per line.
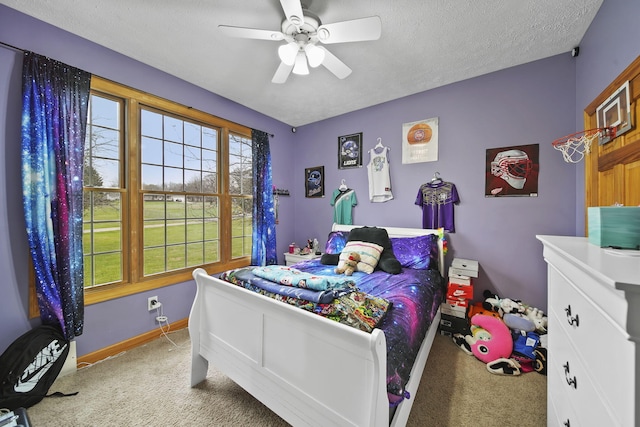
x=379, y=144
x=343, y=186
x=436, y=178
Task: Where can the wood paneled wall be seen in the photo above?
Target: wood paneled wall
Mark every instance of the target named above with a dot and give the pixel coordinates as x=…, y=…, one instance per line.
x=612, y=170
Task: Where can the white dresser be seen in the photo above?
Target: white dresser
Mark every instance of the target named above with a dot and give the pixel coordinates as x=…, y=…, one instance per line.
x=593, y=366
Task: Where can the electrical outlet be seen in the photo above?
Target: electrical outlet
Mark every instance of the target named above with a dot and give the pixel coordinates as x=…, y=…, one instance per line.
x=153, y=303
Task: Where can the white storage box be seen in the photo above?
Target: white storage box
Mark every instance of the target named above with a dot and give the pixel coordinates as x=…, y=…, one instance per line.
x=453, y=310
x=464, y=267
x=459, y=279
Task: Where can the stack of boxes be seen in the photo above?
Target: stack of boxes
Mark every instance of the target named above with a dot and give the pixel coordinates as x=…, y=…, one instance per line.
x=459, y=295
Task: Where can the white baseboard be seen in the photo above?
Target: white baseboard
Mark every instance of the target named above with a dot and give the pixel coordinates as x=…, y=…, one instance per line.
x=71, y=364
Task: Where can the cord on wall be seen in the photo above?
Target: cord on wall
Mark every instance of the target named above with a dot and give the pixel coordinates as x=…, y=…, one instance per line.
x=161, y=318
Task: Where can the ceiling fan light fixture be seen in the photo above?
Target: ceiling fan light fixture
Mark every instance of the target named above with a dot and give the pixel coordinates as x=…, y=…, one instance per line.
x=300, y=66
x=315, y=55
x=287, y=53
x=323, y=34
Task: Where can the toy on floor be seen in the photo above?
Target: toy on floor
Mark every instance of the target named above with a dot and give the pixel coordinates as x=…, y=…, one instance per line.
x=350, y=264
x=524, y=325
x=490, y=342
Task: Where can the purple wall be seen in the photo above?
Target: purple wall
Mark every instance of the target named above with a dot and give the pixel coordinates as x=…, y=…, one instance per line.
x=530, y=104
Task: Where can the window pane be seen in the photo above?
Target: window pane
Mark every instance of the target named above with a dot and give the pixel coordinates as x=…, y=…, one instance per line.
x=172, y=129
x=212, y=251
x=193, y=181
x=176, y=257
x=176, y=231
x=151, y=151
x=192, y=158
x=151, y=124
x=173, y=155
x=195, y=254
x=173, y=179
x=154, y=261
x=102, y=173
x=104, y=112
x=192, y=134
x=210, y=138
x=152, y=177
x=103, y=233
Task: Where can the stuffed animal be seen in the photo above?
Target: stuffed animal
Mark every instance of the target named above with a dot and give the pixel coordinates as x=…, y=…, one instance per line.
x=501, y=305
x=350, y=264
x=490, y=338
x=538, y=318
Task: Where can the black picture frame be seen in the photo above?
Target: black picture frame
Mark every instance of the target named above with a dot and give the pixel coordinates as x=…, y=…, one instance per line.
x=350, y=151
x=314, y=182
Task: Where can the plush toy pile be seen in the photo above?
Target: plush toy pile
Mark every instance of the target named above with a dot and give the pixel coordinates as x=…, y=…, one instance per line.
x=507, y=335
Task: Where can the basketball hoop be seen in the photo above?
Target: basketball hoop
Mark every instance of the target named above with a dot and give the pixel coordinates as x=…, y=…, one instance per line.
x=575, y=146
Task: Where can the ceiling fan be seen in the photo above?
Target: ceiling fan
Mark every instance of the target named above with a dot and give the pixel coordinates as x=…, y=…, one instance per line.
x=302, y=31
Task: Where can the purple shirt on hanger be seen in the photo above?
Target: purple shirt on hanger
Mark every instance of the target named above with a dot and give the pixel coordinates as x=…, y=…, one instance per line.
x=436, y=201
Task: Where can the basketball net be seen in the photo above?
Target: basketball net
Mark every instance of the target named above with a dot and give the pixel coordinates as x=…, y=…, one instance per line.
x=575, y=146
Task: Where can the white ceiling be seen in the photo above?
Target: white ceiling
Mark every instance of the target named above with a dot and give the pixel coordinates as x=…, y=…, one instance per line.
x=424, y=44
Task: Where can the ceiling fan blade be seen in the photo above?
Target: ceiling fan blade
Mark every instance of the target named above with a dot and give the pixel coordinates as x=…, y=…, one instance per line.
x=356, y=30
x=282, y=73
x=250, y=33
x=335, y=65
x=293, y=12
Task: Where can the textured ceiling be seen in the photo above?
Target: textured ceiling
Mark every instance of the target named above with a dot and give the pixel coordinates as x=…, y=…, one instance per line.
x=424, y=44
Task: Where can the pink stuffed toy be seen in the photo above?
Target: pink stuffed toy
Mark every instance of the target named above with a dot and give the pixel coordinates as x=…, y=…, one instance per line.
x=490, y=339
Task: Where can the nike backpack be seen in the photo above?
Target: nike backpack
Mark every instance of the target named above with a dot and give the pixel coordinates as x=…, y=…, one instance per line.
x=30, y=365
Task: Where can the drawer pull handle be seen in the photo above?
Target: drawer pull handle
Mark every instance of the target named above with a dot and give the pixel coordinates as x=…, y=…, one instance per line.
x=571, y=381
x=572, y=320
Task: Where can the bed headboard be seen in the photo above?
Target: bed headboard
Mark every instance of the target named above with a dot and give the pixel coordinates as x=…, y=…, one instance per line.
x=404, y=232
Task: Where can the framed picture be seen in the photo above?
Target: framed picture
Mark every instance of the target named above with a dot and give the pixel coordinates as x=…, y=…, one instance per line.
x=314, y=181
x=512, y=171
x=350, y=151
x=615, y=112
x=420, y=141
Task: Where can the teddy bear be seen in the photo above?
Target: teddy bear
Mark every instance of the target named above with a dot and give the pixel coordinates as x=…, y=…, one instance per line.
x=350, y=264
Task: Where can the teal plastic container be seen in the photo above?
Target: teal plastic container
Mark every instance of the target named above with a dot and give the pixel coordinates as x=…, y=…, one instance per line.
x=614, y=226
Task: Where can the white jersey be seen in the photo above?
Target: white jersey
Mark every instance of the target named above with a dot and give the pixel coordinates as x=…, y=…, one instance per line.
x=379, y=177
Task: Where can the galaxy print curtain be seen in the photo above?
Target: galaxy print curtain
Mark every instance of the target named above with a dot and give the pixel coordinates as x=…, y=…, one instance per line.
x=264, y=219
x=54, y=118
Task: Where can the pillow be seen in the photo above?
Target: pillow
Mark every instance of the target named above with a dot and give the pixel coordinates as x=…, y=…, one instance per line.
x=369, y=255
x=336, y=241
x=379, y=236
x=419, y=253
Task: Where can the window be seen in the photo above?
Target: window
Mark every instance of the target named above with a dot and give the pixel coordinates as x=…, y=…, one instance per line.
x=166, y=189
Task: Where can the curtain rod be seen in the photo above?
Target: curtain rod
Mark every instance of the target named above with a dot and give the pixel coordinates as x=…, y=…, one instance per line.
x=12, y=47
x=17, y=49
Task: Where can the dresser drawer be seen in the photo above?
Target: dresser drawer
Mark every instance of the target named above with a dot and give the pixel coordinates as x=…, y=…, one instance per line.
x=560, y=411
x=570, y=384
x=601, y=346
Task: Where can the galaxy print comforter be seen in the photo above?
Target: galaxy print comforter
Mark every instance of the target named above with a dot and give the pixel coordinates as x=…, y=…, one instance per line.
x=414, y=296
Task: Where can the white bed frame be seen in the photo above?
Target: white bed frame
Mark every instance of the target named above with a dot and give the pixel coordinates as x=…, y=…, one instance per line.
x=309, y=370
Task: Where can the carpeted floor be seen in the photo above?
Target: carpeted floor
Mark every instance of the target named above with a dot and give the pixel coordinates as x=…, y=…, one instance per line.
x=149, y=386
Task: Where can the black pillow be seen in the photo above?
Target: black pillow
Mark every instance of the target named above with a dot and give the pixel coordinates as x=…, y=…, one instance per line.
x=379, y=236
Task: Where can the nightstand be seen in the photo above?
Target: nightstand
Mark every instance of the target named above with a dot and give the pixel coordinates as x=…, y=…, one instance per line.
x=293, y=258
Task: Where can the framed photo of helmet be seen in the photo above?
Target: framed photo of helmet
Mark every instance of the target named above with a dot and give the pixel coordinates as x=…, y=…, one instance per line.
x=314, y=181
x=350, y=151
x=512, y=171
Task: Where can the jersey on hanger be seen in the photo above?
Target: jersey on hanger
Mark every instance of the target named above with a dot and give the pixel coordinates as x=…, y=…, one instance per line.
x=436, y=201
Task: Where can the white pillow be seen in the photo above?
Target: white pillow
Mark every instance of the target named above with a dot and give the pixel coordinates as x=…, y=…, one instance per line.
x=369, y=255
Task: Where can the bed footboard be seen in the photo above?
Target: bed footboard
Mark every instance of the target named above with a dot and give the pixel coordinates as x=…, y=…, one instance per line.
x=307, y=369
